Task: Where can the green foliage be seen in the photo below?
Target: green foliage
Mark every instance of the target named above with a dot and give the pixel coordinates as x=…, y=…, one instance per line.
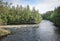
x=47, y=15
x=18, y=14
x=54, y=16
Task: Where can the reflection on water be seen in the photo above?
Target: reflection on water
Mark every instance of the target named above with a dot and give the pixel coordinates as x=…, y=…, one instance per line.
x=45, y=32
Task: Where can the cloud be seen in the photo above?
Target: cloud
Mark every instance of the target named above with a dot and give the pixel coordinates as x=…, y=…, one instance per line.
x=44, y=5
x=47, y=5
x=41, y=5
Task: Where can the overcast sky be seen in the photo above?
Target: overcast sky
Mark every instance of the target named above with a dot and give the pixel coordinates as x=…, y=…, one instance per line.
x=41, y=5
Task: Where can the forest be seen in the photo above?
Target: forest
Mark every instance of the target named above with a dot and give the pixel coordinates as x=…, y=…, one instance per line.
x=24, y=15
x=53, y=16
x=18, y=15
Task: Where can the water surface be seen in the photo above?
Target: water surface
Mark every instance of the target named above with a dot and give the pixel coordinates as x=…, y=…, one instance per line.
x=45, y=32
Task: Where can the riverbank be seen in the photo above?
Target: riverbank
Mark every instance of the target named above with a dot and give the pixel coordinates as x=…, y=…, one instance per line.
x=19, y=26
x=4, y=32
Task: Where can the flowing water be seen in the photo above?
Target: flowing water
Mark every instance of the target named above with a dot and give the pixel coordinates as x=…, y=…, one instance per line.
x=45, y=32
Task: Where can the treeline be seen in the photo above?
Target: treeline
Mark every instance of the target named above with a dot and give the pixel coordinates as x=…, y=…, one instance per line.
x=18, y=15
x=53, y=16
x=47, y=15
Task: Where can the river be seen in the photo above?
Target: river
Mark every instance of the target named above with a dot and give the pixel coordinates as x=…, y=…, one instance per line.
x=45, y=32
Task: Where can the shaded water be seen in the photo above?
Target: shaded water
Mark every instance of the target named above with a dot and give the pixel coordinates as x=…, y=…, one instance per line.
x=45, y=32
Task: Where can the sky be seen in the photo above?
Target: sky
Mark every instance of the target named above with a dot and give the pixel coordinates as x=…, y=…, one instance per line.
x=41, y=5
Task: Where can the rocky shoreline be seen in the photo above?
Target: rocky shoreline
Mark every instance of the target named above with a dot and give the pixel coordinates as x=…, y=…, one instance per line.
x=4, y=32
x=19, y=26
